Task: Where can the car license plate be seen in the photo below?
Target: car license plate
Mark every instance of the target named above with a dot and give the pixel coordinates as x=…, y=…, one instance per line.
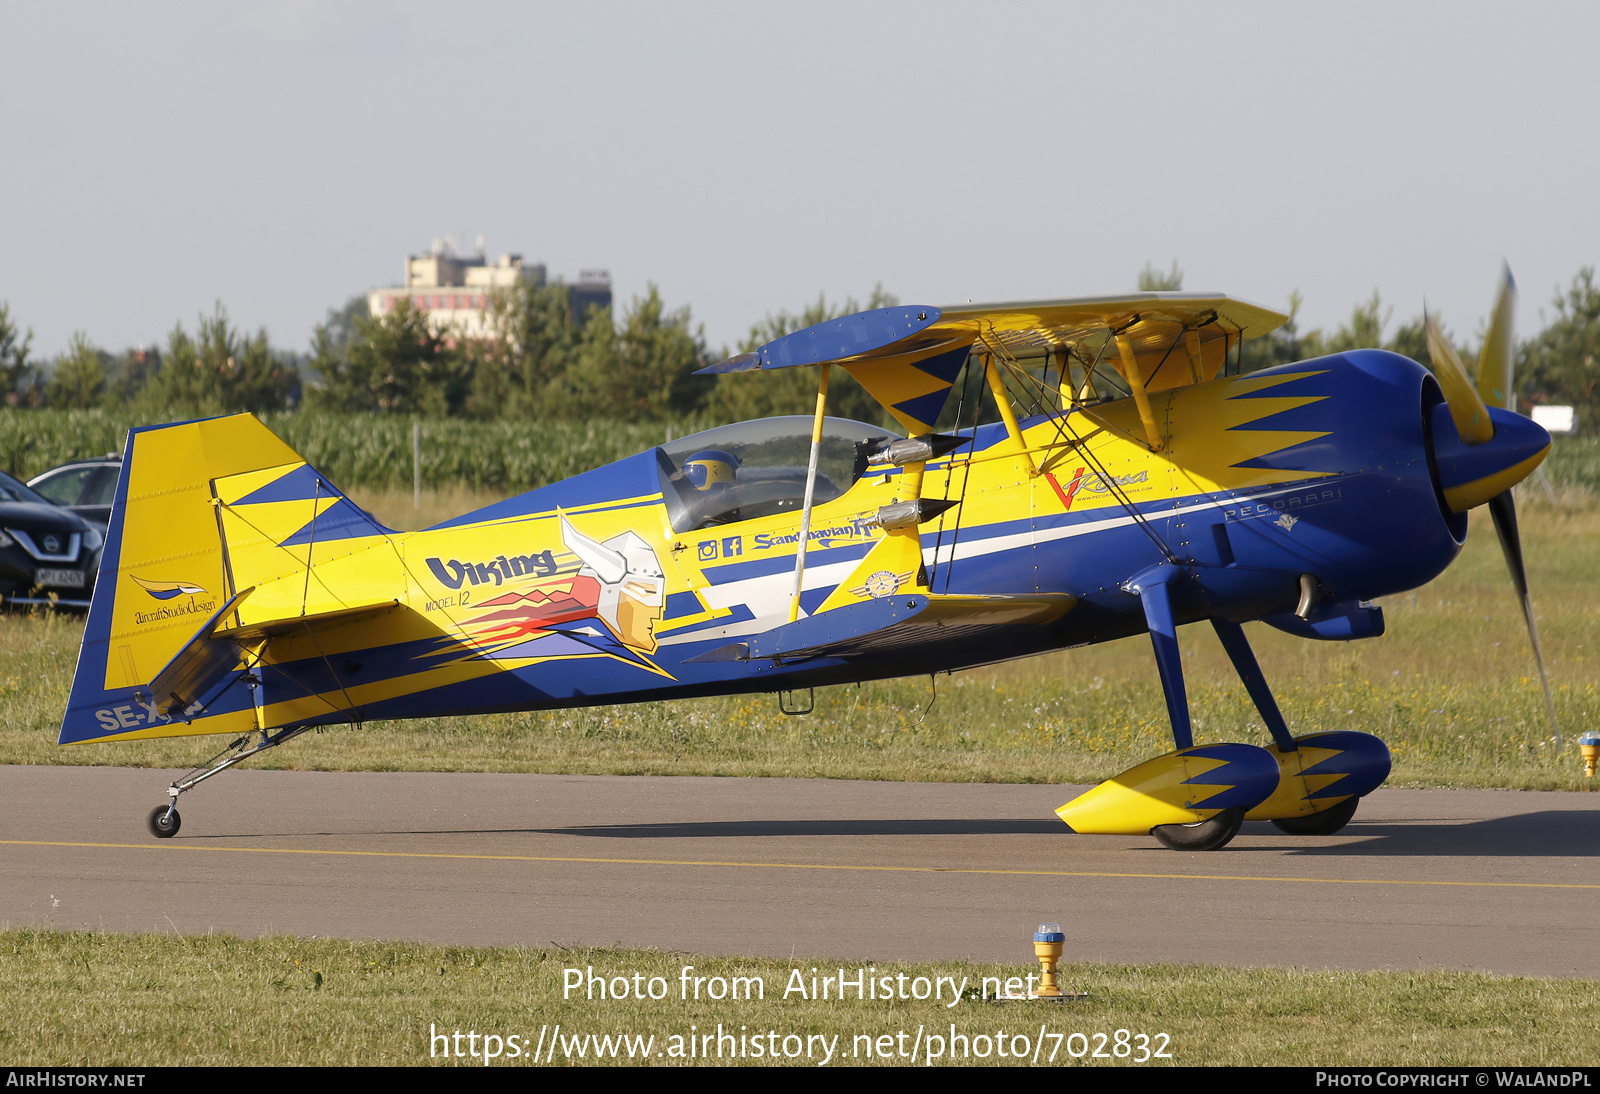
x=59, y=579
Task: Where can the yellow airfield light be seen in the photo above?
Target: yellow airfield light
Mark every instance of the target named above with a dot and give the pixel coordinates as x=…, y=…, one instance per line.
x=1048, y=942
x=1589, y=746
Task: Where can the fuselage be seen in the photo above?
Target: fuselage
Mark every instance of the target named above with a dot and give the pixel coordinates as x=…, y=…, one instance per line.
x=604, y=588
x=1319, y=468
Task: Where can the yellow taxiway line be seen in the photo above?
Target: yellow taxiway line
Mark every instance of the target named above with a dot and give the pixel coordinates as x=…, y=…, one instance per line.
x=798, y=865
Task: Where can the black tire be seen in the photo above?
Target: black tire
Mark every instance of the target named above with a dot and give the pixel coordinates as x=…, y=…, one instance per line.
x=163, y=826
x=1325, y=823
x=1207, y=835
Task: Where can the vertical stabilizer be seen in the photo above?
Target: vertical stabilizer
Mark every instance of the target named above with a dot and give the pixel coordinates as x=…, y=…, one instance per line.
x=204, y=510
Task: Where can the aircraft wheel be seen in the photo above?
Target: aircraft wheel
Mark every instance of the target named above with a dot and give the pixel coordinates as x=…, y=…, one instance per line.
x=1206, y=835
x=1325, y=823
x=161, y=825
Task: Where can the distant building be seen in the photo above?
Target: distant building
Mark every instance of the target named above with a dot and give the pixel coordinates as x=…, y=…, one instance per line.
x=454, y=289
x=593, y=290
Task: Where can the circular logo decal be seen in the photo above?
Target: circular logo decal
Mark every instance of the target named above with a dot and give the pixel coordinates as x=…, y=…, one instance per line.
x=882, y=583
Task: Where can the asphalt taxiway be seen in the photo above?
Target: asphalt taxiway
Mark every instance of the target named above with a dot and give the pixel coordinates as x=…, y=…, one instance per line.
x=1497, y=881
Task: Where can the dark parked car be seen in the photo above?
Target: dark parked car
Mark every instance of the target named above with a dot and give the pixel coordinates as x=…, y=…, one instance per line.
x=87, y=487
x=47, y=554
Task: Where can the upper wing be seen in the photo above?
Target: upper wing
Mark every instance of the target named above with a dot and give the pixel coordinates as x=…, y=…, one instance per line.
x=908, y=356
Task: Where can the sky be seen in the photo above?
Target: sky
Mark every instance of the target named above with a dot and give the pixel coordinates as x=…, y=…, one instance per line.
x=280, y=157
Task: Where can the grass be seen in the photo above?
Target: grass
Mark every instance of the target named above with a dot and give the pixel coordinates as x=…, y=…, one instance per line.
x=1451, y=687
x=71, y=998
x=402, y=510
x=1574, y=463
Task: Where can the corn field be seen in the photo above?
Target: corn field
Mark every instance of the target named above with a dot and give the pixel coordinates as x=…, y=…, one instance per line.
x=371, y=451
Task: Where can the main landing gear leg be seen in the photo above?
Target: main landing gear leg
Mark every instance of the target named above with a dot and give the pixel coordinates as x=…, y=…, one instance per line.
x=1192, y=798
x=164, y=820
x=1361, y=758
x=1219, y=830
x=1244, y=663
x=1164, y=637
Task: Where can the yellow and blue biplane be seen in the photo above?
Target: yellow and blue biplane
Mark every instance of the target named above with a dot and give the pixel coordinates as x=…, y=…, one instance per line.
x=1133, y=481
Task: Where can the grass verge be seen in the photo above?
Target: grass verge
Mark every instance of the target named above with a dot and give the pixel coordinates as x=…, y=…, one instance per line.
x=70, y=998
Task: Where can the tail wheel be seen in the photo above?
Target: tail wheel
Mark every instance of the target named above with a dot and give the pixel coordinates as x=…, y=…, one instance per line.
x=1325, y=823
x=1206, y=835
x=164, y=822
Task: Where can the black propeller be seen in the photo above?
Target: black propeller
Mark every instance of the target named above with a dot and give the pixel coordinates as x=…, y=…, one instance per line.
x=1504, y=511
x=1469, y=411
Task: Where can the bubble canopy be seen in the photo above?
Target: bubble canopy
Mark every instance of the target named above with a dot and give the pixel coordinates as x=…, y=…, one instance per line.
x=765, y=462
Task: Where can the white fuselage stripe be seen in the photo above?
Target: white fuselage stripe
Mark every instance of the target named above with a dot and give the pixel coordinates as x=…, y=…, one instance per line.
x=767, y=596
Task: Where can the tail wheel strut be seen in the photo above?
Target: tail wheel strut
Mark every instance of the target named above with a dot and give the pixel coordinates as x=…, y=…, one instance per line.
x=164, y=821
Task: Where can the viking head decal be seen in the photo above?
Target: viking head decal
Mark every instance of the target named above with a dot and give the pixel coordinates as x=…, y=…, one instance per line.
x=632, y=586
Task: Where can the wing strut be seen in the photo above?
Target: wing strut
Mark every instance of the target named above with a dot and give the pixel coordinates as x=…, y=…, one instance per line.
x=1130, y=372
x=1064, y=431
x=1002, y=400
x=811, y=487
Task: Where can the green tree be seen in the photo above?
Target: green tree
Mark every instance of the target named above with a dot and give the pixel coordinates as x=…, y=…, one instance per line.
x=639, y=369
x=130, y=373
x=742, y=395
x=1364, y=330
x=1410, y=339
x=396, y=364
x=1561, y=364
x=535, y=340
x=14, y=364
x=1278, y=347
x=1154, y=280
x=178, y=386
x=250, y=376
x=79, y=376
x=219, y=371
x=341, y=322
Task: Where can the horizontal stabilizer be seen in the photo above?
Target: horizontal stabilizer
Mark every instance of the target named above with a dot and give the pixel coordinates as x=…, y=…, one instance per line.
x=216, y=653
x=892, y=624
x=312, y=621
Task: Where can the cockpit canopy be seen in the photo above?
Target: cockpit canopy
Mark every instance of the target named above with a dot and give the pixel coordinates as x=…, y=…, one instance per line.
x=754, y=469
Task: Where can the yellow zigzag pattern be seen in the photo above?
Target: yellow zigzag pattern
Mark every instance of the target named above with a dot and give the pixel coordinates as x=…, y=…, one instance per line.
x=1205, y=443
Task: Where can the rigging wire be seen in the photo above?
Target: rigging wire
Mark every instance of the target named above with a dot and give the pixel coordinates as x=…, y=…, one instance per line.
x=938, y=535
x=311, y=549
x=1063, y=423
x=966, y=474
x=351, y=709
